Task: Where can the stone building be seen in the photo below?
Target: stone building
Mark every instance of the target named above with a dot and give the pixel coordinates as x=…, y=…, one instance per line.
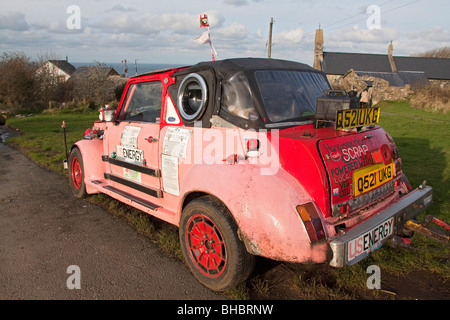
x=389, y=77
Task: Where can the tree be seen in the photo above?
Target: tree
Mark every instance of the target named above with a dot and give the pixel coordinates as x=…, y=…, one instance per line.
x=47, y=80
x=17, y=81
x=443, y=52
x=95, y=85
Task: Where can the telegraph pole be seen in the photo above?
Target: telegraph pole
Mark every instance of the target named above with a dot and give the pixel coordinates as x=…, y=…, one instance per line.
x=270, y=38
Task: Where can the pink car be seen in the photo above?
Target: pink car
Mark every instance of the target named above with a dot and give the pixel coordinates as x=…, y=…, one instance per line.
x=251, y=157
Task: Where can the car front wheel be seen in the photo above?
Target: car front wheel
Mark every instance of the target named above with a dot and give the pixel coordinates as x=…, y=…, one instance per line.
x=76, y=173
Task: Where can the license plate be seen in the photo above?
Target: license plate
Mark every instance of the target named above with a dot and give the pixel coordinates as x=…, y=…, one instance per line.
x=353, y=118
x=371, y=177
x=370, y=240
x=130, y=154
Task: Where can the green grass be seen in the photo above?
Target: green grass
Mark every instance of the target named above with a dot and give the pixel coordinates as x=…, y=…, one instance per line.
x=423, y=139
x=42, y=136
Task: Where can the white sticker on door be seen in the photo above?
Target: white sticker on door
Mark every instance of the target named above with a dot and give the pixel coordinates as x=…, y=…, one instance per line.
x=169, y=168
x=129, y=137
x=176, y=141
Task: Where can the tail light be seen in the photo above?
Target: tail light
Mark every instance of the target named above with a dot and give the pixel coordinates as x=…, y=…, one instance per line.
x=311, y=221
x=382, y=155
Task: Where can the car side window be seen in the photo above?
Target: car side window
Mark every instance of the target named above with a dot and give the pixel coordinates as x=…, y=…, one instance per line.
x=143, y=102
x=237, y=97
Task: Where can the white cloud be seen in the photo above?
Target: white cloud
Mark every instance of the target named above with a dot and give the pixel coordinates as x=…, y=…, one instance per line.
x=166, y=29
x=359, y=40
x=182, y=23
x=121, y=8
x=13, y=21
x=293, y=36
x=58, y=26
x=418, y=42
x=436, y=34
x=233, y=32
x=237, y=3
x=358, y=35
x=240, y=3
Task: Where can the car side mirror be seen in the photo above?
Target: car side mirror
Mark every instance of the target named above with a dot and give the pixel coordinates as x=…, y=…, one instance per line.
x=107, y=115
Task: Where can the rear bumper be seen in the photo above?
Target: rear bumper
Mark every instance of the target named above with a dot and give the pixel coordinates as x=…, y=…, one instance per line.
x=358, y=242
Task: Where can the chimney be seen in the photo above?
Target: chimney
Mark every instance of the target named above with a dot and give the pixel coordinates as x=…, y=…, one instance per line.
x=318, y=49
x=391, y=57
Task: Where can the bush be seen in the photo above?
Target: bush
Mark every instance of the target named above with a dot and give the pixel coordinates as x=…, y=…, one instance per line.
x=18, y=83
x=433, y=98
x=95, y=86
x=29, y=87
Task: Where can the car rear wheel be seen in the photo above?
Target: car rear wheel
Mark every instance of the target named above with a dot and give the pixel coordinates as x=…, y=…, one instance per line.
x=76, y=173
x=211, y=246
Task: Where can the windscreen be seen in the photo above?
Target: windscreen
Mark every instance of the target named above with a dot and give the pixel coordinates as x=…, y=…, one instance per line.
x=290, y=95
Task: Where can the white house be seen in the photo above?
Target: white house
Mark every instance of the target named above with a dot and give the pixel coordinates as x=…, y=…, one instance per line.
x=62, y=69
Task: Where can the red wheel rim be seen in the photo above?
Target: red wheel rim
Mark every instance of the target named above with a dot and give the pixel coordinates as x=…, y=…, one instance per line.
x=76, y=173
x=206, y=246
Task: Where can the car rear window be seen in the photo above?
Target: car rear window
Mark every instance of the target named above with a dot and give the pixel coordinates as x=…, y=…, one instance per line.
x=290, y=95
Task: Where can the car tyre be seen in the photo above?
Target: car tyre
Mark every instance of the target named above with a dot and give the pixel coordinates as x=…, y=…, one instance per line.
x=211, y=246
x=76, y=173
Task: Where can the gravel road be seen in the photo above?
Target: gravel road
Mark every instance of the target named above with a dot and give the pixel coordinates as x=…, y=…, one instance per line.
x=44, y=230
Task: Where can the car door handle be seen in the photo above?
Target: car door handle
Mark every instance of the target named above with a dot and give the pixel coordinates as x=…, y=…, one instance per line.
x=151, y=139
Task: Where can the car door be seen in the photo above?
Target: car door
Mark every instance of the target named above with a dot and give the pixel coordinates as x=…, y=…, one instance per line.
x=133, y=142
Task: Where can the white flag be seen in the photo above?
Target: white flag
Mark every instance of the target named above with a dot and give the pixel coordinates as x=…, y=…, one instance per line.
x=203, y=38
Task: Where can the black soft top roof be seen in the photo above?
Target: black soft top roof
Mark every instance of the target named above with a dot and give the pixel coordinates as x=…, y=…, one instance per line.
x=231, y=66
x=214, y=72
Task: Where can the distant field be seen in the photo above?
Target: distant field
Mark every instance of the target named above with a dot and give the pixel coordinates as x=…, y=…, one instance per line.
x=422, y=137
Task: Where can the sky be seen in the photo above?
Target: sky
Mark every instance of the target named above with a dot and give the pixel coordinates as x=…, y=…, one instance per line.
x=163, y=32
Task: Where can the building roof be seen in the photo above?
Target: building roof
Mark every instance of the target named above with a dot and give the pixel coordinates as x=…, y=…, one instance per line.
x=64, y=65
x=340, y=63
x=434, y=68
x=103, y=71
x=392, y=77
x=400, y=78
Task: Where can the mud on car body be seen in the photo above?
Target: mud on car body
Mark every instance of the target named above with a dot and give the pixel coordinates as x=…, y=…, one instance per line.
x=251, y=157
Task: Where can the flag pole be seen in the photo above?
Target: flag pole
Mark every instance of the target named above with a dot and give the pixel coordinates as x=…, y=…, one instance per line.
x=213, y=50
x=269, y=55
